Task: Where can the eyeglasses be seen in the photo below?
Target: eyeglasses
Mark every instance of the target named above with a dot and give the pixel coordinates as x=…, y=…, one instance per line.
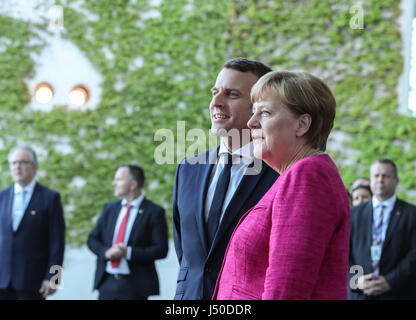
x=21, y=162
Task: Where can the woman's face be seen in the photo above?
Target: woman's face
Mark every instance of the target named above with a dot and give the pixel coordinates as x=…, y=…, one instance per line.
x=360, y=195
x=273, y=129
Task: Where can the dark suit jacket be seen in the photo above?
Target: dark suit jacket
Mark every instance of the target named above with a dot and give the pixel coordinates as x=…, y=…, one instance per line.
x=199, y=264
x=27, y=255
x=398, y=257
x=148, y=239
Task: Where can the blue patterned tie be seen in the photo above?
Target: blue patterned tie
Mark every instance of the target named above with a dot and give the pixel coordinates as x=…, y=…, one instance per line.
x=377, y=238
x=218, y=200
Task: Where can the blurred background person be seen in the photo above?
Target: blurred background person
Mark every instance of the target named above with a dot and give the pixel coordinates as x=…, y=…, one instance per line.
x=383, y=240
x=360, y=194
x=129, y=236
x=362, y=181
x=294, y=243
x=32, y=232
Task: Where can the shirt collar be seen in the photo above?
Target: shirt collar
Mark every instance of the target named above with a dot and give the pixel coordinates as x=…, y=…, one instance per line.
x=389, y=203
x=245, y=152
x=135, y=203
x=29, y=188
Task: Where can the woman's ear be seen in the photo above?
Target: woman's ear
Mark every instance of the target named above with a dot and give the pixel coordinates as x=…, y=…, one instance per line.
x=304, y=123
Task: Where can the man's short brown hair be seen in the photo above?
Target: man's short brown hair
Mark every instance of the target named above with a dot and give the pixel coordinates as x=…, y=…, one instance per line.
x=245, y=65
x=136, y=173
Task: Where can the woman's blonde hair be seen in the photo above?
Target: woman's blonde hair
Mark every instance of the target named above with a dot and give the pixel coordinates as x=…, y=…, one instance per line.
x=301, y=93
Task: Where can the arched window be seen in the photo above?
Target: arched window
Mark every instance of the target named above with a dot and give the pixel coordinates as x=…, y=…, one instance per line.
x=408, y=80
x=411, y=103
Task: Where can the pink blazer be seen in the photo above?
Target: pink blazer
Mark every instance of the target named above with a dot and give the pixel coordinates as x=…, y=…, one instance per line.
x=294, y=243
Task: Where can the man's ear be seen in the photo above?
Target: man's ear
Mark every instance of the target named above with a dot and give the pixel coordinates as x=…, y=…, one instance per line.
x=134, y=185
x=304, y=123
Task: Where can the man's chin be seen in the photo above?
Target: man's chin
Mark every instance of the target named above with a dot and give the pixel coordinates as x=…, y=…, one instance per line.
x=382, y=195
x=219, y=132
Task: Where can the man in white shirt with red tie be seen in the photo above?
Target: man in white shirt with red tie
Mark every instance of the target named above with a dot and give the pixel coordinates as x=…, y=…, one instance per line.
x=129, y=236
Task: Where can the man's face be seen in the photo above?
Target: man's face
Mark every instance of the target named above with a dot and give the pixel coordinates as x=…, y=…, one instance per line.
x=383, y=180
x=122, y=183
x=230, y=107
x=22, y=169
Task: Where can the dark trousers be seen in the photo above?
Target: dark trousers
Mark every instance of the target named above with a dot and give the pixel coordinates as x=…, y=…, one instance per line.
x=12, y=294
x=118, y=288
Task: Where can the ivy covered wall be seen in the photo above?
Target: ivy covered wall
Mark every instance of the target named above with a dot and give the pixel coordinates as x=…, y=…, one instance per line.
x=159, y=60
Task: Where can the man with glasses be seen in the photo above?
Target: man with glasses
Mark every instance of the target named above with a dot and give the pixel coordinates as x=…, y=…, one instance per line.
x=32, y=232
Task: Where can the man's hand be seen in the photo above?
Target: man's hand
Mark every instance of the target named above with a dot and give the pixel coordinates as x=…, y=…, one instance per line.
x=373, y=285
x=46, y=289
x=123, y=249
x=116, y=252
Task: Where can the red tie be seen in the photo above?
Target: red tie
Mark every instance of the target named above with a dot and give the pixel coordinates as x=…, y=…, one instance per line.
x=120, y=234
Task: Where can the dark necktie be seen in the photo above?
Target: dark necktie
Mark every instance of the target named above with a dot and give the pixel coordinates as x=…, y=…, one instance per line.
x=218, y=200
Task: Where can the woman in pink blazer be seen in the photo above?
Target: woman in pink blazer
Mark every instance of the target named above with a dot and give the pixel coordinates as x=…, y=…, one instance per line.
x=294, y=243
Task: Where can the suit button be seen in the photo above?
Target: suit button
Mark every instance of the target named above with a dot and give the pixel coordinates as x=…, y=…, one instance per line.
x=208, y=270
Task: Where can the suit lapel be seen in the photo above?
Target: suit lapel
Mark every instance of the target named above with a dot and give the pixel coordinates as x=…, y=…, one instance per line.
x=143, y=209
x=245, y=188
x=113, y=220
x=31, y=204
x=369, y=225
x=394, y=217
x=201, y=189
x=34, y=197
x=9, y=208
x=366, y=231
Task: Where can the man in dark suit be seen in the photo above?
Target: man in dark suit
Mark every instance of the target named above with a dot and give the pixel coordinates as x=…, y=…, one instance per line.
x=129, y=236
x=383, y=241
x=32, y=233
x=214, y=189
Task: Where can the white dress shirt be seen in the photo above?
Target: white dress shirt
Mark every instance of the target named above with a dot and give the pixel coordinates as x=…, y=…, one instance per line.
x=242, y=158
x=389, y=204
x=123, y=267
x=19, y=206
